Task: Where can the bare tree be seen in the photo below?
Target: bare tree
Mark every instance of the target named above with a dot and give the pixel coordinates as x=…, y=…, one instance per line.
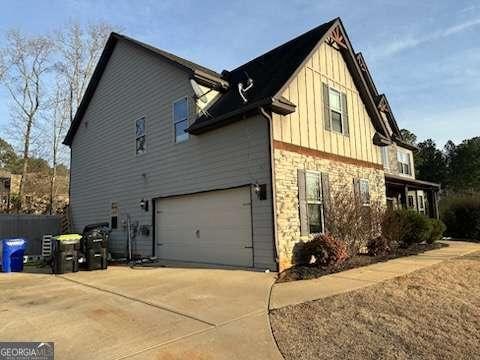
x=24, y=65
x=78, y=51
x=59, y=119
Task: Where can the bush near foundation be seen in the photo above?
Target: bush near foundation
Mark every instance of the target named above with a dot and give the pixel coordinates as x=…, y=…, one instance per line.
x=378, y=246
x=437, y=228
x=461, y=215
x=406, y=227
x=325, y=250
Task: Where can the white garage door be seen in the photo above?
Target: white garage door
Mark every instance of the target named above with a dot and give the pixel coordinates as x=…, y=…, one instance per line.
x=211, y=227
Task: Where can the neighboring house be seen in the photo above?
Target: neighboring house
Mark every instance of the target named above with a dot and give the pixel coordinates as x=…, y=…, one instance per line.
x=232, y=168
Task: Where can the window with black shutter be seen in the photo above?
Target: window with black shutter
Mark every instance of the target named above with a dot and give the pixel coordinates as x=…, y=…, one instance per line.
x=313, y=195
x=335, y=110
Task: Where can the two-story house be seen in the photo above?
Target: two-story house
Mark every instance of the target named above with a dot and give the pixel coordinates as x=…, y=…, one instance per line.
x=233, y=168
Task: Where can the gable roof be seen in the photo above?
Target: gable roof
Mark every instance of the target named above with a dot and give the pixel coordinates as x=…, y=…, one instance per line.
x=269, y=72
x=202, y=74
x=272, y=72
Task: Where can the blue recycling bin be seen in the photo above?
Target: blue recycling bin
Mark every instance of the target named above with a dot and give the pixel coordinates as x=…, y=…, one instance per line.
x=12, y=257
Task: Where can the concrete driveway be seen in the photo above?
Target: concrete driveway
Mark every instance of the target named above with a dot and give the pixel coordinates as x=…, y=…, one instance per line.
x=141, y=313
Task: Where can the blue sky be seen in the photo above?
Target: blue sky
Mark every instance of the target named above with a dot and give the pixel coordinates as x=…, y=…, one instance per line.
x=424, y=55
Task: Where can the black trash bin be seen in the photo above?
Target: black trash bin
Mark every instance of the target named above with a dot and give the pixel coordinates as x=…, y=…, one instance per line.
x=95, y=245
x=65, y=251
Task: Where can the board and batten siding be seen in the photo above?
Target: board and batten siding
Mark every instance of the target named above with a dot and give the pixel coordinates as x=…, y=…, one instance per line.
x=306, y=126
x=106, y=170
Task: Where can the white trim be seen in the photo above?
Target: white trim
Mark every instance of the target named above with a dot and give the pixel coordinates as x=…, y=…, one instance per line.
x=342, y=110
x=174, y=123
x=410, y=162
x=321, y=203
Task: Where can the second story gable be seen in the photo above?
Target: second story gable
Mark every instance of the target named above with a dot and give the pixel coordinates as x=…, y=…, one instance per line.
x=330, y=115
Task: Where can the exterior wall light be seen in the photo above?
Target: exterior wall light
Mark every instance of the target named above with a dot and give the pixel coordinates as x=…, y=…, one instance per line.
x=144, y=204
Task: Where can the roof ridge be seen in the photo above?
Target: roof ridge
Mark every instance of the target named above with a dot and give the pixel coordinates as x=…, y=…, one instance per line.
x=296, y=38
x=167, y=54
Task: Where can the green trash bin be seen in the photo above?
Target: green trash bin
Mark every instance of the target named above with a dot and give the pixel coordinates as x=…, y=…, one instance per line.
x=65, y=253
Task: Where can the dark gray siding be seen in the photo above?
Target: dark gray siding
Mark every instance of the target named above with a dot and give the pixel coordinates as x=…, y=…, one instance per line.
x=105, y=169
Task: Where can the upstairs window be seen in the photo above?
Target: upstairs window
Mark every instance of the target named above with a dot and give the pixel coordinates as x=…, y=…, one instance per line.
x=180, y=119
x=140, y=143
x=404, y=163
x=335, y=110
x=384, y=152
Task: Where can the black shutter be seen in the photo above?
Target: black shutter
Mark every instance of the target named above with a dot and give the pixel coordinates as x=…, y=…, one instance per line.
x=302, y=202
x=346, y=130
x=326, y=200
x=326, y=107
x=356, y=189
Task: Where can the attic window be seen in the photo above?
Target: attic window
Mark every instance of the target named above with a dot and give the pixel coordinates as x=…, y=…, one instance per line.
x=180, y=119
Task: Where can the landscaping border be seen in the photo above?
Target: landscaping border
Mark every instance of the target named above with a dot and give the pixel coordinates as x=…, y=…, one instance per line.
x=297, y=292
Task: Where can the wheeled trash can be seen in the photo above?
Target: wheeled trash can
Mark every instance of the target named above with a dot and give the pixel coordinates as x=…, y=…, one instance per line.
x=12, y=254
x=65, y=250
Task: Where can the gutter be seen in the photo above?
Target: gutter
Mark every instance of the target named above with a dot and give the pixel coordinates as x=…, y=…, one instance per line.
x=198, y=128
x=268, y=117
x=278, y=105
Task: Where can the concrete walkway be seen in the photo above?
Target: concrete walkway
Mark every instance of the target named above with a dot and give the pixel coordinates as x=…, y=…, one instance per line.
x=297, y=292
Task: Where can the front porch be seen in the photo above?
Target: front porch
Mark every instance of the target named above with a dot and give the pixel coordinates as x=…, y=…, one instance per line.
x=408, y=193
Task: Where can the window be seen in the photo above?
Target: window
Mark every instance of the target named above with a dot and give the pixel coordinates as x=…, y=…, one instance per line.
x=404, y=163
x=411, y=201
x=421, y=206
x=315, y=209
x=335, y=101
x=364, y=192
x=140, y=145
x=384, y=153
x=180, y=119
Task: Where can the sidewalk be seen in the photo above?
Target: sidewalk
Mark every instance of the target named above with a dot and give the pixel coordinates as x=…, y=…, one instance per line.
x=297, y=292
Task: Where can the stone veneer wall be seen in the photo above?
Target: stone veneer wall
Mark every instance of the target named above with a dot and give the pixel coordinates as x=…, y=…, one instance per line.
x=341, y=176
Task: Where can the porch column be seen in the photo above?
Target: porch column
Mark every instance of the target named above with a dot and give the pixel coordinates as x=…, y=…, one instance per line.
x=433, y=203
x=436, y=213
x=405, y=197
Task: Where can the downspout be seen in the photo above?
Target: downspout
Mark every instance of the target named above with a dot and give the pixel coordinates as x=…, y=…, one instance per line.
x=268, y=117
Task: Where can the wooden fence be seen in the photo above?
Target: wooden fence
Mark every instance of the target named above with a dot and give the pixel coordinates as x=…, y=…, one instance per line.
x=29, y=227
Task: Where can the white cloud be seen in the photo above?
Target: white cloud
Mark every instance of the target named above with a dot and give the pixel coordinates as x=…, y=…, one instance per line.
x=412, y=41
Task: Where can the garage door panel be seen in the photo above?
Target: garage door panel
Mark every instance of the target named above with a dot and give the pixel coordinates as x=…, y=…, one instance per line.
x=213, y=227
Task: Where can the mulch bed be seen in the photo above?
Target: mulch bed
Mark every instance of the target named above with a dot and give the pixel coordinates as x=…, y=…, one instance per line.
x=313, y=271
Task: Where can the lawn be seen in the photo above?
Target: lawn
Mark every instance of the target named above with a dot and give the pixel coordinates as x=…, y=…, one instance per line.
x=430, y=314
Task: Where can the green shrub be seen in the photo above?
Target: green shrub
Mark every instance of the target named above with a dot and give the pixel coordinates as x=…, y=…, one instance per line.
x=326, y=250
x=378, y=246
x=461, y=215
x=437, y=228
x=406, y=227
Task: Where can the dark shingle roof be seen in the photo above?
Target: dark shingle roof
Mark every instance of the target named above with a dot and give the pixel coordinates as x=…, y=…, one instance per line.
x=269, y=72
x=173, y=58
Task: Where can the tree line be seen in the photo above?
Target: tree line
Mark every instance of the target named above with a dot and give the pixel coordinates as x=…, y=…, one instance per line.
x=45, y=77
x=455, y=166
